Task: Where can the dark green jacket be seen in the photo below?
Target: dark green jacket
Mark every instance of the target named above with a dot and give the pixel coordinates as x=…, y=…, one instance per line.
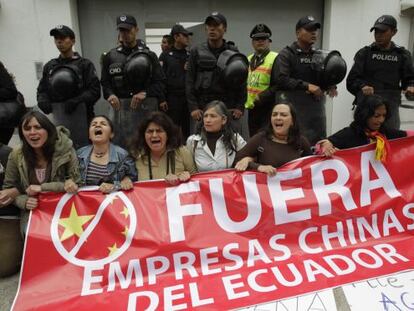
x=64, y=166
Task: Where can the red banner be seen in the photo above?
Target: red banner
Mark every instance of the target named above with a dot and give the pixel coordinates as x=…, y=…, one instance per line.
x=223, y=240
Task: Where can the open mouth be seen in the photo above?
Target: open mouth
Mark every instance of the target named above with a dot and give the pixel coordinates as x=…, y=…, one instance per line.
x=98, y=132
x=156, y=142
x=34, y=139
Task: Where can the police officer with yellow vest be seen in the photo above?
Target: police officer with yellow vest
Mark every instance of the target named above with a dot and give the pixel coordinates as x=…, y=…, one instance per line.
x=383, y=68
x=261, y=79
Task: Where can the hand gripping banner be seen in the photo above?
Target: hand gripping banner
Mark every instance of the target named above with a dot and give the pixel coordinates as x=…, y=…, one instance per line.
x=224, y=239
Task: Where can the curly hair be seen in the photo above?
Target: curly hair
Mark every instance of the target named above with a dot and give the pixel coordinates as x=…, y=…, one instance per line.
x=48, y=148
x=366, y=109
x=138, y=144
x=294, y=134
x=229, y=139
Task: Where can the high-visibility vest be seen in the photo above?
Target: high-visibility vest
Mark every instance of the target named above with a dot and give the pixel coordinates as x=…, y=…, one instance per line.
x=259, y=79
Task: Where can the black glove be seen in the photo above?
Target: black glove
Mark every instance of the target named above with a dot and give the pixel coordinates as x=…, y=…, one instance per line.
x=46, y=107
x=71, y=104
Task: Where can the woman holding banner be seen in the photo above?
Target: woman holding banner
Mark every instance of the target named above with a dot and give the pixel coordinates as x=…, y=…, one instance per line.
x=368, y=126
x=215, y=144
x=46, y=161
x=278, y=144
x=103, y=163
x=158, y=151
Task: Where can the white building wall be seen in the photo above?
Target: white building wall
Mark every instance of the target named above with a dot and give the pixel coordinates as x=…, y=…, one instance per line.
x=346, y=28
x=24, y=37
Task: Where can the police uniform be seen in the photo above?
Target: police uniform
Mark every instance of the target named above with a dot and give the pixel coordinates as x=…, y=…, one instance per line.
x=114, y=81
x=387, y=71
x=71, y=104
x=205, y=82
x=174, y=65
x=261, y=84
x=293, y=75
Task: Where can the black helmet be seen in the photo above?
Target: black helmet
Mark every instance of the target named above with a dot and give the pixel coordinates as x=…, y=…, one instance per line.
x=330, y=67
x=234, y=68
x=138, y=70
x=64, y=83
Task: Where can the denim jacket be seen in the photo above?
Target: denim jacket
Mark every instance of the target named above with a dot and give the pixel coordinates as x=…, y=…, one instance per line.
x=116, y=155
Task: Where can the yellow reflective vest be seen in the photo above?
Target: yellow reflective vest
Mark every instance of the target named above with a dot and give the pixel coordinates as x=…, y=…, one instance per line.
x=259, y=79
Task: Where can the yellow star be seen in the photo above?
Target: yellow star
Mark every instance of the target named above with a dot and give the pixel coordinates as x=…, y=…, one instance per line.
x=125, y=232
x=73, y=224
x=125, y=212
x=112, y=249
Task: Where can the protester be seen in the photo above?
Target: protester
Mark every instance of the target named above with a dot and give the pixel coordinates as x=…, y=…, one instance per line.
x=215, y=144
x=280, y=143
x=11, y=243
x=132, y=80
x=46, y=161
x=158, y=151
x=368, y=126
x=8, y=92
x=383, y=68
x=69, y=87
x=103, y=163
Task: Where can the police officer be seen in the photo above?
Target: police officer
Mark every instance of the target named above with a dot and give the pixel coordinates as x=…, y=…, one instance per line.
x=69, y=87
x=167, y=43
x=174, y=65
x=383, y=68
x=296, y=79
x=205, y=82
x=261, y=80
x=132, y=80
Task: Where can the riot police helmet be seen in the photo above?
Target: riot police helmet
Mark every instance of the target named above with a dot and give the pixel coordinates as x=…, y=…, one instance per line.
x=64, y=83
x=138, y=69
x=234, y=68
x=329, y=66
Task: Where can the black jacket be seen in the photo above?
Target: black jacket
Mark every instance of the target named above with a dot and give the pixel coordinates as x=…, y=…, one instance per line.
x=90, y=88
x=116, y=59
x=354, y=136
x=173, y=64
x=293, y=69
x=8, y=89
x=203, y=80
x=382, y=69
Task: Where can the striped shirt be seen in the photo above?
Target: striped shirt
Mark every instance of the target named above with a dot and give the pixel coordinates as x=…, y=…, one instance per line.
x=95, y=173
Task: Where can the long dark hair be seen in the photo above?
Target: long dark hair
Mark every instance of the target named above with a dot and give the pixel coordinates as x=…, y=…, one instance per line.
x=366, y=109
x=229, y=139
x=139, y=146
x=294, y=134
x=48, y=148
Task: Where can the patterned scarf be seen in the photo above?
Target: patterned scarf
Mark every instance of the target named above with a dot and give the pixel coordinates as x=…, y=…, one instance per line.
x=382, y=148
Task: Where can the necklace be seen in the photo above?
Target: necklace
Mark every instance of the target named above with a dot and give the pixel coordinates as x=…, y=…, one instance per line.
x=100, y=154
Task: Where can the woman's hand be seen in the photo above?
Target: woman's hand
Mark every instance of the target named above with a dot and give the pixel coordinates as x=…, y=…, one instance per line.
x=7, y=196
x=33, y=190
x=126, y=183
x=327, y=148
x=70, y=186
x=267, y=169
x=31, y=203
x=106, y=187
x=243, y=164
x=184, y=176
x=172, y=179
